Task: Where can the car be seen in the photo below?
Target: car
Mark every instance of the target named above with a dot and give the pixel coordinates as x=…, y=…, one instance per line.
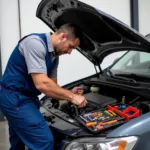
x=117, y=116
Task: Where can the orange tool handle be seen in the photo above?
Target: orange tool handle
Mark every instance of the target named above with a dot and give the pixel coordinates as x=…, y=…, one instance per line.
x=112, y=112
x=108, y=113
x=111, y=122
x=91, y=124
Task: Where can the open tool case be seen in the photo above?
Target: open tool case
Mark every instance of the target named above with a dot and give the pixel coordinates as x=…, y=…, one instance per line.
x=113, y=115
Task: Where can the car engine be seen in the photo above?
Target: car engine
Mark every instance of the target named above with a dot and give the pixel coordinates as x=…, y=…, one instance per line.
x=70, y=122
x=99, y=97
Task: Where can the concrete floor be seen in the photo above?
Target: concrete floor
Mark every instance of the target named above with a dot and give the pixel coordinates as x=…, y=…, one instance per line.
x=4, y=136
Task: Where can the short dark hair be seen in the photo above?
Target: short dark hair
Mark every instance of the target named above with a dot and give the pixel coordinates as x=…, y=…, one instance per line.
x=73, y=30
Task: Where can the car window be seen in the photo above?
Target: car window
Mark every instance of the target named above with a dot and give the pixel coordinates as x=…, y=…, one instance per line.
x=134, y=62
x=144, y=57
x=111, y=58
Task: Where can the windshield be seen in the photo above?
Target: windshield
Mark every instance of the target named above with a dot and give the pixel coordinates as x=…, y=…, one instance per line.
x=133, y=62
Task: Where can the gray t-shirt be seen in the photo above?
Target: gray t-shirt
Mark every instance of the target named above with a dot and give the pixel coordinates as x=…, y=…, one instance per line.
x=34, y=51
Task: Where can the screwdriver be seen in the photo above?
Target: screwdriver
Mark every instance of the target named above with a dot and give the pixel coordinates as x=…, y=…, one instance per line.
x=105, y=123
x=108, y=113
x=112, y=112
x=91, y=124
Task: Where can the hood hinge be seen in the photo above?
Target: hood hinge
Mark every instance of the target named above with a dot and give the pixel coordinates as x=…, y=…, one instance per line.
x=100, y=69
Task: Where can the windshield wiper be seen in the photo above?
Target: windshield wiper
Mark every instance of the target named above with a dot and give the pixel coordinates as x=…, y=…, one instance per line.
x=138, y=77
x=119, y=77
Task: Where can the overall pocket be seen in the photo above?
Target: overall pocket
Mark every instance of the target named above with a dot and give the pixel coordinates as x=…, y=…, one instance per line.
x=11, y=100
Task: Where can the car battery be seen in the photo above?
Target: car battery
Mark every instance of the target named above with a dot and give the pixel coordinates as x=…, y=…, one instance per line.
x=100, y=100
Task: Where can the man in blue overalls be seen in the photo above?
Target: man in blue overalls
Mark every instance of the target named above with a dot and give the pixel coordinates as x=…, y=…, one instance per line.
x=32, y=70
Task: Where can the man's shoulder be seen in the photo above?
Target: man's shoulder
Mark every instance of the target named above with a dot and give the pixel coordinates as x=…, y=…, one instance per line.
x=32, y=36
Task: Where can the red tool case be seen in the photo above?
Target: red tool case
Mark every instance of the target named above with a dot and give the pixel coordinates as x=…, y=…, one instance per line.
x=129, y=113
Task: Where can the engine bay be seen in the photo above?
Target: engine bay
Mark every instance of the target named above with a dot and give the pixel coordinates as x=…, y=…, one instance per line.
x=107, y=107
x=95, y=101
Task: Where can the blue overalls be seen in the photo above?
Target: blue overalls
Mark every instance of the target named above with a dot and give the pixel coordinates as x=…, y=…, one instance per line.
x=20, y=104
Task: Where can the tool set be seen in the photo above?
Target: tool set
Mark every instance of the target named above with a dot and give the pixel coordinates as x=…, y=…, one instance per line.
x=113, y=115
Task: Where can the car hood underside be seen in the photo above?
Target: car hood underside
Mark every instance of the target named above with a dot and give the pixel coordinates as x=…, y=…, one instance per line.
x=102, y=34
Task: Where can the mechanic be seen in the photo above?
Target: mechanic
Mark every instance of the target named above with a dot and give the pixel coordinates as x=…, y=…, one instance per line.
x=32, y=70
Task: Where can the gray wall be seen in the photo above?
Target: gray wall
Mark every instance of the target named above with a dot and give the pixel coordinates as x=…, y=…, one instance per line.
x=144, y=16
x=10, y=31
x=29, y=23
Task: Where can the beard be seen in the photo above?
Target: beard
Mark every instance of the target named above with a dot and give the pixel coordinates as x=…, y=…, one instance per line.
x=61, y=49
x=59, y=52
x=56, y=53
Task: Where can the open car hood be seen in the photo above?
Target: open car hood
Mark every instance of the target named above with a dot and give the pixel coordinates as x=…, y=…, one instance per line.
x=102, y=33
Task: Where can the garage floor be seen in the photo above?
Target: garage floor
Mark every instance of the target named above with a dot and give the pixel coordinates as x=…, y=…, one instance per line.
x=4, y=136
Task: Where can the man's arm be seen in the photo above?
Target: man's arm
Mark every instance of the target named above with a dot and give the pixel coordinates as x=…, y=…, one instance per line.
x=34, y=51
x=54, y=79
x=47, y=86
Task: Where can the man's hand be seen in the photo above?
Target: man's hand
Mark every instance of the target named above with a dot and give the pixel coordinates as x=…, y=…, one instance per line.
x=77, y=90
x=47, y=86
x=79, y=100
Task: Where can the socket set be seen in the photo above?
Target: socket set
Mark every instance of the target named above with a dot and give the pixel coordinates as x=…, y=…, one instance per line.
x=97, y=121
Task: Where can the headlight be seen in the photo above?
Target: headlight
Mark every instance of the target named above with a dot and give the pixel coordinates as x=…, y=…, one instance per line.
x=124, y=143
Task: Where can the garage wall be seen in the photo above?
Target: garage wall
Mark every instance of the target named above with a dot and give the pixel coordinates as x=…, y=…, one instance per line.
x=74, y=66
x=71, y=67
x=9, y=28
x=144, y=16
x=29, y=23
